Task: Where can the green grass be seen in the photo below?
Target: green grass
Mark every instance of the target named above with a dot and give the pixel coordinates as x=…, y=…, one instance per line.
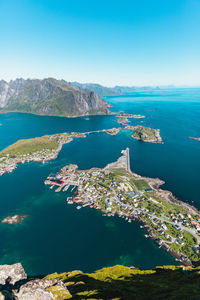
x=140, y=184
x=29, y=146
x=120, y=282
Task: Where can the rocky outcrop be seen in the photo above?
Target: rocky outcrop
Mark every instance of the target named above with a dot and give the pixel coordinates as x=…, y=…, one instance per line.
x=49, y=97
x=14, y=284
x=11, y=274
x=15, y=219
x=117, y=282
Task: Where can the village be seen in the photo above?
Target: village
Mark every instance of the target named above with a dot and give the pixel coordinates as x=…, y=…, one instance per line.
x=116, y=191
x=40, y=149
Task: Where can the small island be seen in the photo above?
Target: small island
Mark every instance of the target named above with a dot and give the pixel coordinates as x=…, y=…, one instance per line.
x=194, y=138
x=115, y=190
x=145, y=134
x=113, y=131
x=122, y=121
x=131, y=116
x=15, y=219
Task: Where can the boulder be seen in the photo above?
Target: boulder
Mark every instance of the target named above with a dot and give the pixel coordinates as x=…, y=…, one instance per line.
x=37, y=289
x=12, y=273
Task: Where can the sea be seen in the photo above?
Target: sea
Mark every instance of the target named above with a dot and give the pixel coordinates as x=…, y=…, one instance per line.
x=56, y=237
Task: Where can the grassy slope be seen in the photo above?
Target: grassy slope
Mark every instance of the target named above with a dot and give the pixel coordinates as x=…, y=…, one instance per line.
x=144, y=132
x=30, y=146
x=119, y=282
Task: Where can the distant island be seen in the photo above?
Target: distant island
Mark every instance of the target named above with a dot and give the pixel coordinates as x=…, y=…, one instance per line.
x=115, y=190
x=117, y=90
x=145, y=134
x=122, y=120
x=130, y=116
x=49, y=97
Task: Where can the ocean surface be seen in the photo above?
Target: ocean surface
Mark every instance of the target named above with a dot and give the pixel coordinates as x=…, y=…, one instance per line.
x=57, y=236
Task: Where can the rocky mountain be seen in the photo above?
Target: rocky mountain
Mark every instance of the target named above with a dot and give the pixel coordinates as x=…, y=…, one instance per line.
x=117, y=90
x=101, y=90
x=118, y=282
x=49, y=97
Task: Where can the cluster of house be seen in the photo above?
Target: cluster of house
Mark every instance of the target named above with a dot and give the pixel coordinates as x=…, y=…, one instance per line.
x=109, y=194
x=189, y=222
x=8, y=164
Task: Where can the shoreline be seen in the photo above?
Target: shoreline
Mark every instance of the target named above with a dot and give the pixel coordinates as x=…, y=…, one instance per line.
x=54, y=155
x=83, y=199
x=60, y=116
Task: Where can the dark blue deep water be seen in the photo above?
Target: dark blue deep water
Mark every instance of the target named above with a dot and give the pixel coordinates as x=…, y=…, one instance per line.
x=57, y=236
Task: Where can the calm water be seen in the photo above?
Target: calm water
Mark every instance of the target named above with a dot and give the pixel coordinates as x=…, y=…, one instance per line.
x=57, y=236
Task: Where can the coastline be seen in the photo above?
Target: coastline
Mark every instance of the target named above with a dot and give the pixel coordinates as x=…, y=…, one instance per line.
x=60, y=116
x=122, y=163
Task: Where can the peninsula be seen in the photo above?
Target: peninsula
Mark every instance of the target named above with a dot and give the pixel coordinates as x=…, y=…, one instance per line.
x=145, y=134
x=115, y=190
x=40, y=149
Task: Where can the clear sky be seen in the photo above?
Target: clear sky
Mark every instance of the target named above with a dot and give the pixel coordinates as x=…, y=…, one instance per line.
x=112, y=42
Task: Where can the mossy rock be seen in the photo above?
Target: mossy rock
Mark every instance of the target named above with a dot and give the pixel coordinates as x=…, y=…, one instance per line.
x=59, y=293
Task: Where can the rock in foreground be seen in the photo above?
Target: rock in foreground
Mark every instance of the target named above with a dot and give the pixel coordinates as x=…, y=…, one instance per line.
x=11, y=274
x=118, y=282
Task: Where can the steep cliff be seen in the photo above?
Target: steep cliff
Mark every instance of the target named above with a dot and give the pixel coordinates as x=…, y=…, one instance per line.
x=49, y=97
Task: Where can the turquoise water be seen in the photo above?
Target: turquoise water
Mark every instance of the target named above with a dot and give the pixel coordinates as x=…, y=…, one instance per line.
x=57, y=236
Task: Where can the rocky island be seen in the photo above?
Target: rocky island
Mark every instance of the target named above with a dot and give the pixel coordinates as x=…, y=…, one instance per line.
x=131, y=116
x=145, y=134
x=115, y=190
x=122, y=121
x=113, y=131
x=15, y=219
x=117, y=282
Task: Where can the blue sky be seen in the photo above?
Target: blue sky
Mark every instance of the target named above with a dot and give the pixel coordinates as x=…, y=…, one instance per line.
x=138, y=42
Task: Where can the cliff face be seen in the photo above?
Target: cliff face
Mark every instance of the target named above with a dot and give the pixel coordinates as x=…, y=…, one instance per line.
x=49, y=97
x=118, y=282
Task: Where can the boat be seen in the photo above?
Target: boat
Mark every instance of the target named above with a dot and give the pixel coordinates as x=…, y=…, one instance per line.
x=70, y=202
x=146, y=235
x=52, y=186
x=65, y=188
x=78, y=207
x=73, y=188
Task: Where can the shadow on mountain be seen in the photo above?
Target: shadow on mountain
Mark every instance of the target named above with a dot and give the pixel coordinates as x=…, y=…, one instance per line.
x=160, y=284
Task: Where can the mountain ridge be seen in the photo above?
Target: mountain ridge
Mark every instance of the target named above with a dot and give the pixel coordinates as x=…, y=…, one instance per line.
x=49, y=96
